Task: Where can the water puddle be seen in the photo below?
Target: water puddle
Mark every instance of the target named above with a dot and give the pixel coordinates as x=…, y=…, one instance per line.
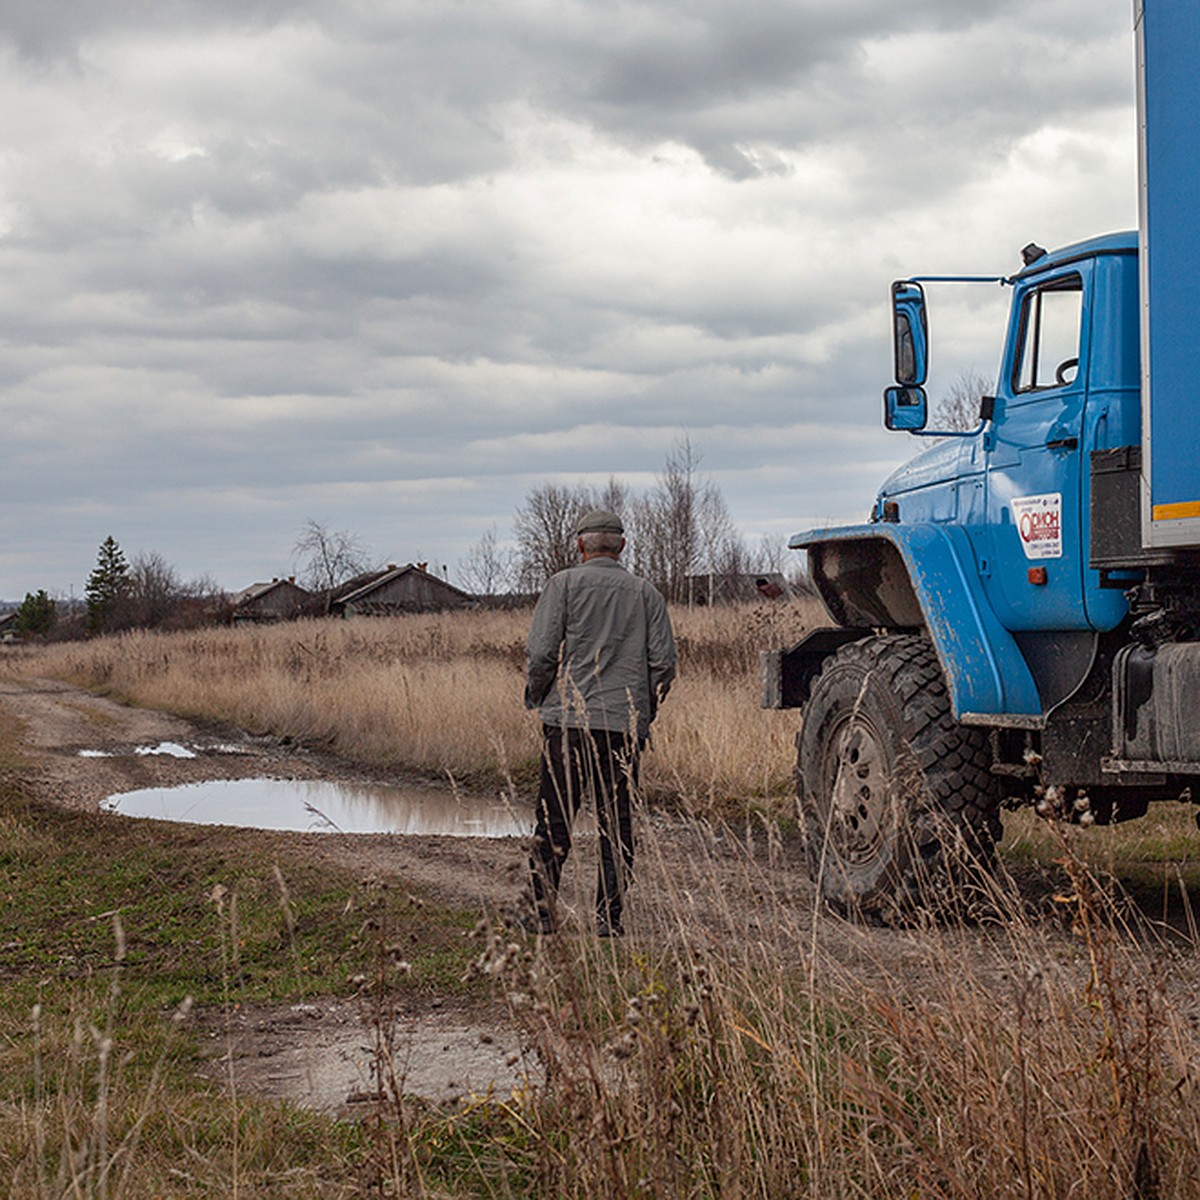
x=324, y=807
x=170, y=749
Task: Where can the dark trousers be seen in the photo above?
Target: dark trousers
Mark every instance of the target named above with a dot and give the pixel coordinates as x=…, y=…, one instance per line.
x=574, y=763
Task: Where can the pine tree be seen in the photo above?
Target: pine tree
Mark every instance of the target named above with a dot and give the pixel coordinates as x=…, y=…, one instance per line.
x=36, y=614
x=106, y=587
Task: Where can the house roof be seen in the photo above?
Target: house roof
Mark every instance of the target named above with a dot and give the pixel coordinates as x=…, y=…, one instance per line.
x=257, y=590
x=383, y=578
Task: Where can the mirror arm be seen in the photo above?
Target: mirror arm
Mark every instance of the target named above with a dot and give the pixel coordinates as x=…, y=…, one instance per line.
x=987, y=410
x=983, y=424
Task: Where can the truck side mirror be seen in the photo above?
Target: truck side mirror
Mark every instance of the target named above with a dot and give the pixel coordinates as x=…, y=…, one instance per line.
x=905, y=408
x=910, y=349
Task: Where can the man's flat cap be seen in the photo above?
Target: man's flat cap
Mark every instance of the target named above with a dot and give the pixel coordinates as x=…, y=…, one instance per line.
x=599, y=520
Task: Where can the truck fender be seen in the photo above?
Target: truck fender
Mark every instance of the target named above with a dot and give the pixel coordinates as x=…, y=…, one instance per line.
x=924, y=575
x=786, y=676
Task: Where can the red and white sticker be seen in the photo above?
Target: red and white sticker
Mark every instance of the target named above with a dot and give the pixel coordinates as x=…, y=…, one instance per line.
x=1039, y=524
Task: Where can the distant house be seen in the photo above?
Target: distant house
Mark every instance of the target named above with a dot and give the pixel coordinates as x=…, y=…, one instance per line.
x=407, y=589
x=736, y=589
x=279, y=600
x=7, y=623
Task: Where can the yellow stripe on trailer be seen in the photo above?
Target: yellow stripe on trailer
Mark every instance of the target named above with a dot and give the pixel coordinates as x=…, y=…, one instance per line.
x=1176, y=512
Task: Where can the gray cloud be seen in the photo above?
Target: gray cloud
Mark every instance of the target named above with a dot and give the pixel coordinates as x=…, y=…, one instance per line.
x=386, y=265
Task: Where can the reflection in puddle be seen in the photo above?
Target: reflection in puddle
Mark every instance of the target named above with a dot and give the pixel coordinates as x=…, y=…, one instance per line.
x=324, y=807
x=170, y=749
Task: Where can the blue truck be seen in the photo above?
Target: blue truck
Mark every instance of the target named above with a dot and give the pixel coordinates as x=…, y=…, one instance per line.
x=1019, y=619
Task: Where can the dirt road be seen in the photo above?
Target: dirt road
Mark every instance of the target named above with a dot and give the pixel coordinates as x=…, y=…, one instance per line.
x=736, y=886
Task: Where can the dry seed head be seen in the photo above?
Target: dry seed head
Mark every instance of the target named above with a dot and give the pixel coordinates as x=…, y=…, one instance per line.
x=512, y=1060
x=624, y=1047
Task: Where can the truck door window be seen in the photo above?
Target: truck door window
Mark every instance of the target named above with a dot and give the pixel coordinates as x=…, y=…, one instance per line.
x=1050, y=323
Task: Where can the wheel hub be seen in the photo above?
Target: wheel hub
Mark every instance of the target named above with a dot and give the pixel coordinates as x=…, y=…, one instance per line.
x=858, y=789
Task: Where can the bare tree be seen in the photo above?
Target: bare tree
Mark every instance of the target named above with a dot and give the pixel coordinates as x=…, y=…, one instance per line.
x=545, y=531
x=772, y=555
x=153, y=589
x=613, y=496
x=487, y=568
x=958, y=409
x=682, y=527
x=329, y=557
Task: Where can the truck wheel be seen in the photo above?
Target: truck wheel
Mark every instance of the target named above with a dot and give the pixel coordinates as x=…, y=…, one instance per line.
x=897, y=799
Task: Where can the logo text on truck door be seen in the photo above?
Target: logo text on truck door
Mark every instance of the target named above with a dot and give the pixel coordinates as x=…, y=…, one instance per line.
x=1039, y=524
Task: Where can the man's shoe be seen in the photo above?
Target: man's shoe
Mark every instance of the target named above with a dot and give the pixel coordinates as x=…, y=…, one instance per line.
x=609, y=929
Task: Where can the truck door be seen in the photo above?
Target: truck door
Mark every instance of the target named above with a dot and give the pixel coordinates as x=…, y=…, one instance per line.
x=1034, y=562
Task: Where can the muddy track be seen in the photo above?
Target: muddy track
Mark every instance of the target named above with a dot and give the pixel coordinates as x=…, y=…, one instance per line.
x=736, y=887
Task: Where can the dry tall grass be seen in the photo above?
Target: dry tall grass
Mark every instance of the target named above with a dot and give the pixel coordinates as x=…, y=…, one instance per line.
x=441, y=694
x=742, y=1041
x=797, y=1057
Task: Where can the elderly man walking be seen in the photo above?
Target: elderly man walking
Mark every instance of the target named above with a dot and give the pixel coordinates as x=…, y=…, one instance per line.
x=601, y=657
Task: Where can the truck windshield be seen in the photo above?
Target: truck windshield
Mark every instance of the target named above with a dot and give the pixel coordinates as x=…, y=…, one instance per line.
x=1050, y=322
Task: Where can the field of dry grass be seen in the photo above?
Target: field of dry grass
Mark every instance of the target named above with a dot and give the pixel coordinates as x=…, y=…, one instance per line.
x=1047, y=1050
x=441, y=694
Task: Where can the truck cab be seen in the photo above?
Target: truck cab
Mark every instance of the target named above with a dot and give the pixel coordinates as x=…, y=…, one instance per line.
x=1019, y=619
x=1001, y=583
x=1019, y=485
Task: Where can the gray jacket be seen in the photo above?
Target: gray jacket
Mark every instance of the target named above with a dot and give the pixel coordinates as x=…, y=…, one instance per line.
x=600, y=651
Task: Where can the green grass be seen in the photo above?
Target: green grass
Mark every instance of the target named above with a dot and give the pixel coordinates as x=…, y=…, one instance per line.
x=112, y=929
x=202, y=913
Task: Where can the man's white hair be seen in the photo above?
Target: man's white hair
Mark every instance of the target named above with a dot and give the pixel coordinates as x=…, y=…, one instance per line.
x=602, y=542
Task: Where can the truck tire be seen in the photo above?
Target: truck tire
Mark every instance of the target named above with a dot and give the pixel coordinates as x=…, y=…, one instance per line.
x=896, y=798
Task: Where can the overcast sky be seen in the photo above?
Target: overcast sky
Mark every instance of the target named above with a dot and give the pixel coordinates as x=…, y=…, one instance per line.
x=388, y=264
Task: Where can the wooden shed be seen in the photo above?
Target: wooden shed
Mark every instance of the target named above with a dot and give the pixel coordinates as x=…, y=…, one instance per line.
x=279, y=600
x=407, y=589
